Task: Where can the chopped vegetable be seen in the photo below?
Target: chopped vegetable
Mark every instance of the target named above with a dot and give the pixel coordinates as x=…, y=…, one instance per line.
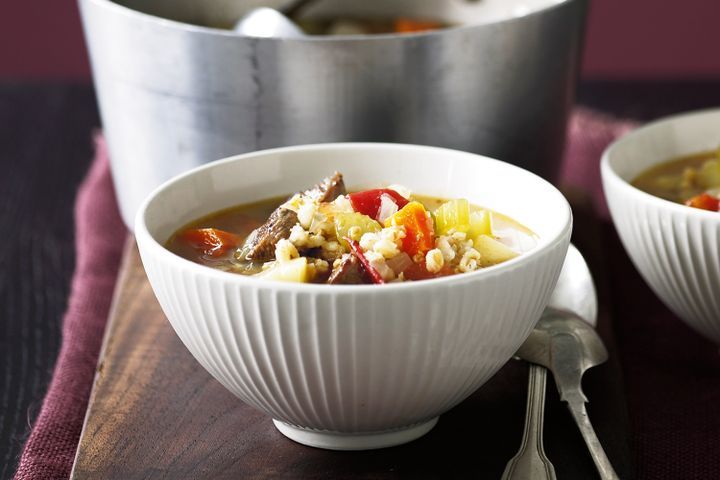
x=387, y=209
x=295, y=270
x=409, y=25
x=400, y=263
x=369, y=202
x=704, y=202
x=709, y=174
x=419, y=232
x=345, y=221
x=492, y=251
x=452, y=215
x=210, y=241
x=357, y=251
x=480, y=224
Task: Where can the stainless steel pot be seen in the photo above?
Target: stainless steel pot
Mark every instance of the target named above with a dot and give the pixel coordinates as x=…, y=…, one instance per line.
x=175, y=91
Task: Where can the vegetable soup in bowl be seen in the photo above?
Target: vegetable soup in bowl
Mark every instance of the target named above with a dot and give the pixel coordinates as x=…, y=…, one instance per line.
x=375, y=236
x=395, y=281
x=662, y=184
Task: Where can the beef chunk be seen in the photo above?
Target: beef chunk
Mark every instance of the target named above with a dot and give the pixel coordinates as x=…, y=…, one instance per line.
x=329, y=189
x=260, y=244
x=349, y=272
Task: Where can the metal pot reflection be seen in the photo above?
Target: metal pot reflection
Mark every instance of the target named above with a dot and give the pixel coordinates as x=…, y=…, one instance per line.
x=176, y=92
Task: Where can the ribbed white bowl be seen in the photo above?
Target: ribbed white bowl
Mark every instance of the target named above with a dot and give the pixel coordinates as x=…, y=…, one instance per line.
x=351, y=367
x=675, y=248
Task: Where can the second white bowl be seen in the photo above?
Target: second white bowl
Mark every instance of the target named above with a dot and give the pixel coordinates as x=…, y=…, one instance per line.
x=675, y=248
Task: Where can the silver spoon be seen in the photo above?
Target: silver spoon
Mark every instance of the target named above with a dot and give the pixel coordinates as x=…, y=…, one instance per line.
x=568, y=346
x=531, y=462
x=269, y=22
x=574, y=292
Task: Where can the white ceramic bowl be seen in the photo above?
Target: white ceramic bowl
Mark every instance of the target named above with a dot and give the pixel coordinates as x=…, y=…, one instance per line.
x=354, y=367
x=675, y=248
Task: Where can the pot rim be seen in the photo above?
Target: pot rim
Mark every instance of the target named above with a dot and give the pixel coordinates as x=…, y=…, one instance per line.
x=200, y=29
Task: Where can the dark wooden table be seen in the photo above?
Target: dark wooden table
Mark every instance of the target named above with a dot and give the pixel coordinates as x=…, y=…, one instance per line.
x=45, y=148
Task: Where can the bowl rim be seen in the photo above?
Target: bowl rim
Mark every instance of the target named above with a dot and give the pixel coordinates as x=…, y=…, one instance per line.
x=546, y=244
x=127, y=11
x=611, y=176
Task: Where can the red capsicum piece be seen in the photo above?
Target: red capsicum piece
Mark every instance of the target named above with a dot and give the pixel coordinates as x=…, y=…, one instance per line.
x=210, y=241
x=368, y=202
x=357, y=251
x=705, y=202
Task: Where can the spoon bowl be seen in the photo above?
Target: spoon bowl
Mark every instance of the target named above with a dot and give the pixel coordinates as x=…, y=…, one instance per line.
x=268, y=22
x=265, y=22
x=567, y=346
x=561, y=327
x=575, y=290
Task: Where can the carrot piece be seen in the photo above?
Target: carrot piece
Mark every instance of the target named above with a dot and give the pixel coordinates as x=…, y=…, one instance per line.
x=410, y=25
x=419, y=231
x=210, y=241
x=705, y=202
x=357, y=251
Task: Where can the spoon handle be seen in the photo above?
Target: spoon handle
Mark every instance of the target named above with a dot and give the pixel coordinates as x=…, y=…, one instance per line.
x=531, y=462
x=576, y=404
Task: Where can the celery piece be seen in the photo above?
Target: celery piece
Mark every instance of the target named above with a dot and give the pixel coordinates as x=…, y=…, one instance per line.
x=492, y=251
x=480, y=224
x=345, y=221
x=296, y=270
x=452, y=215
x=709, y=174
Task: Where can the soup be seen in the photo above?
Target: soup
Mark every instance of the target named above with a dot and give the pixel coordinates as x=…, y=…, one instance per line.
x=366, y=26
x=325, y=235
x=693, y=180
x=357, y=26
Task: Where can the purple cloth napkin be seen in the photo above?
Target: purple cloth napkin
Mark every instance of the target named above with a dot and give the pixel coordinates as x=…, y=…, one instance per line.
x=99, y=238
x=589, y=132
x=671, y=374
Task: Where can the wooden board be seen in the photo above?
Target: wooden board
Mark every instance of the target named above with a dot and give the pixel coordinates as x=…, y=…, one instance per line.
x=156, y=414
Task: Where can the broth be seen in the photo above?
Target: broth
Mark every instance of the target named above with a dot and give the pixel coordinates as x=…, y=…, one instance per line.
x=241, y=222
x=358, y=26
x=683, y=180
x=368, y=26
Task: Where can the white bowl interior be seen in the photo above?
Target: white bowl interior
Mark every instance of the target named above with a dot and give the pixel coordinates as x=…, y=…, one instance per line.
x=664, y=140
x=437, y=172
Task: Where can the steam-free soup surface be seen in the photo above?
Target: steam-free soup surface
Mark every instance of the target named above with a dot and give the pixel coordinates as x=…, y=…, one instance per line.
x=362, y=26
x=374, y=236
x=369, y=26
x=693, y=180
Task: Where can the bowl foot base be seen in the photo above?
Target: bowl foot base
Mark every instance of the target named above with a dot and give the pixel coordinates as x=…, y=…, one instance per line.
x=354, y=441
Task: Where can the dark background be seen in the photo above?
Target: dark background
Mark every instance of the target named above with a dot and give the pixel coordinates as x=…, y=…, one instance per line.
x=644, y=58
x=640, y=39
